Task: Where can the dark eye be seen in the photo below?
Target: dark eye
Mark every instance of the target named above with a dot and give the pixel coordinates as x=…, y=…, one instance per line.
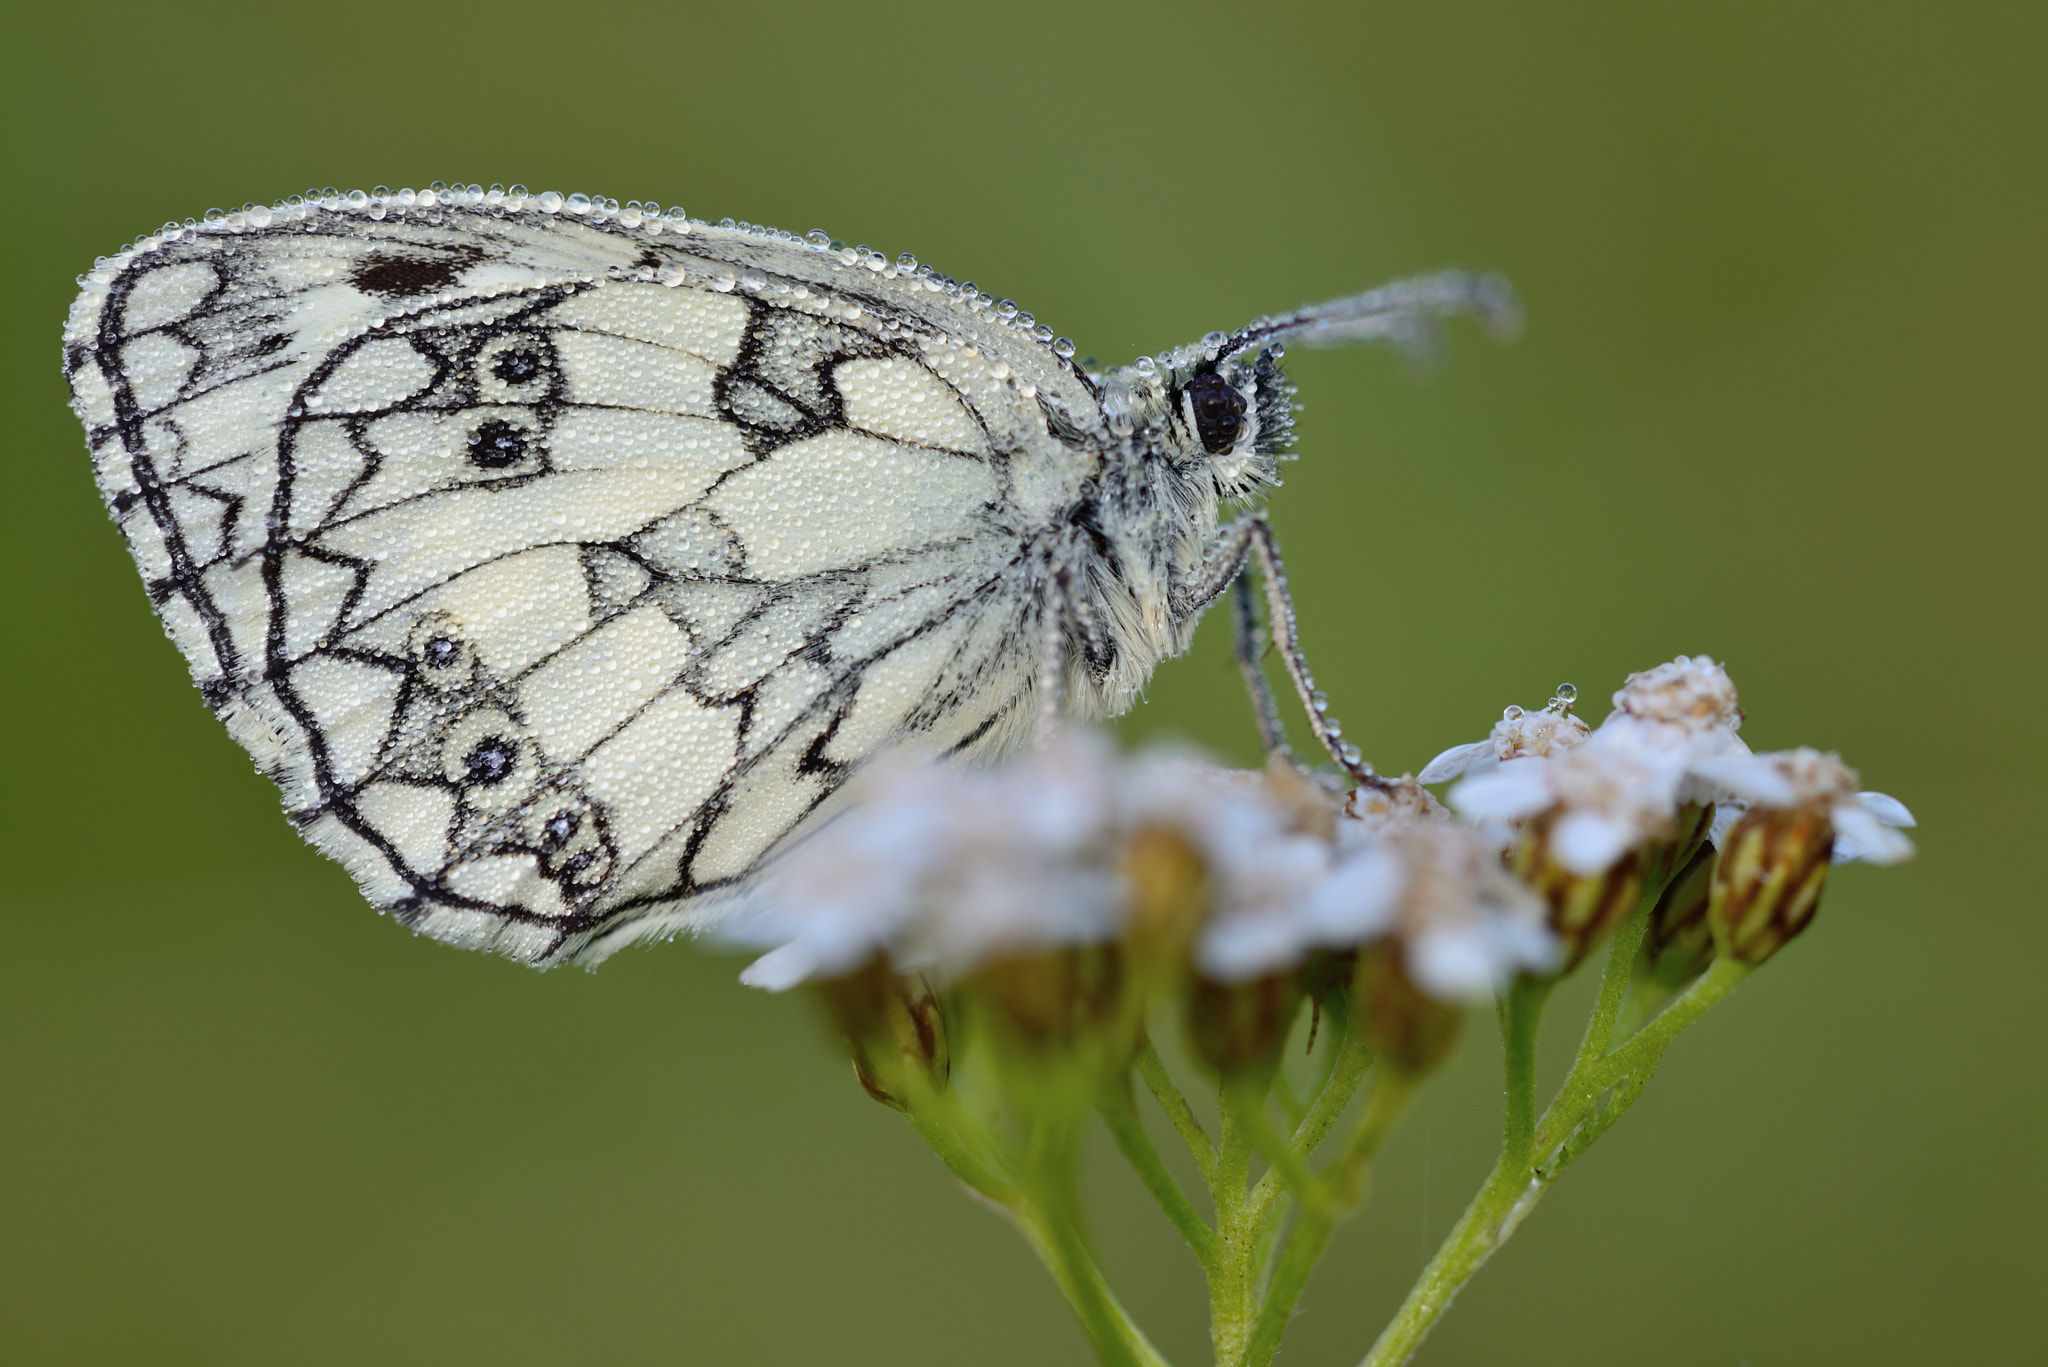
x=1219, y=412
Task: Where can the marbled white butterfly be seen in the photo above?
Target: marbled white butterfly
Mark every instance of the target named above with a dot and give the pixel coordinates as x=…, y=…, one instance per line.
x=558, y=560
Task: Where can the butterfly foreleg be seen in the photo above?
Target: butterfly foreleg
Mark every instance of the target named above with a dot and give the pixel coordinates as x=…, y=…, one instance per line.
x=1245, y=545
x=1249, y=640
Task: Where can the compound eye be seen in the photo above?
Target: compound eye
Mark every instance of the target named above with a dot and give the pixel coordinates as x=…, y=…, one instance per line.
x=1218, y=411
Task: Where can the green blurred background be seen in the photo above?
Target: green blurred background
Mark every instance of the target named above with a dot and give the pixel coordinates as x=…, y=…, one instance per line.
x=1780, y=399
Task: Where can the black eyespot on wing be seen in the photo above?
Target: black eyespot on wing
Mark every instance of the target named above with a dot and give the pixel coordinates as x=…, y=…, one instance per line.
x=555, y=832
x=491, y=761
x=400, y=277
x=518, y=365
x=495, y=444
x=1219, y=412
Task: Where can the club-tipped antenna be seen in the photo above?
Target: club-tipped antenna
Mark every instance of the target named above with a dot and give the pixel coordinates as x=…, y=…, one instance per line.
x=1407, y=313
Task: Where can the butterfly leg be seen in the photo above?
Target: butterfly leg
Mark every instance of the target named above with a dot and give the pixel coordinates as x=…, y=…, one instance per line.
x=1052, y=655
x=1247, y=544
x=1250, y=642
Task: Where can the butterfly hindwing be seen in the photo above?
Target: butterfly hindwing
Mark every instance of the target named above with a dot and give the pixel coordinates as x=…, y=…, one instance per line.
x=557, y=570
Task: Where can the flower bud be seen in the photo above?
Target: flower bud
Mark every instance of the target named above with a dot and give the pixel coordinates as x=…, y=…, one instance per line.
x=1677, y=945
x=894, y=1030
x=1584, y=908
x=1168, y=890
x=1768, y=880
x=1240, y=1028
x=1411, y=1031
x=1049, y=999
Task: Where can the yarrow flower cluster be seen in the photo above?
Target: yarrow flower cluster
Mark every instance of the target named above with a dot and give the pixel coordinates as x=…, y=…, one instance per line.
x=997, y=945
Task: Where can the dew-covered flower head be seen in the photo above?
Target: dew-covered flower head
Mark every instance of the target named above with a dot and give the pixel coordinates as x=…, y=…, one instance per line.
x=938, y=867
x=1404, y=872
x=1691, y=693
x=1519, y=734
x=1866, y=825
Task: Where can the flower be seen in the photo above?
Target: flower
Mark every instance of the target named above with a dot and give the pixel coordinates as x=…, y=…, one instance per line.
x=1463, y=924
x=1601, y=799
x=1865, y=825
x=1691, y=693
x=1517, y=735
x=1624, y=785
x=937, y=868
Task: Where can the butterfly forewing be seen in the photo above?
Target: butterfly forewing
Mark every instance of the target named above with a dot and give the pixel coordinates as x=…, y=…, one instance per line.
x=556, y=569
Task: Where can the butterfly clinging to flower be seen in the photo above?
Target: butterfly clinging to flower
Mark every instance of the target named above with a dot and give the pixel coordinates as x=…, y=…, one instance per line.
x=559, y=561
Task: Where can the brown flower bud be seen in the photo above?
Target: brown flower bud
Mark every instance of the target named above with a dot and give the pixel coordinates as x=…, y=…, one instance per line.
x=1677, y=945
x=1050, y=998
x=893, y=1028
x=1413, y=1032
x=1240, y=1028
x=1584, y=910
x=1768, y=880
x=1169, y=895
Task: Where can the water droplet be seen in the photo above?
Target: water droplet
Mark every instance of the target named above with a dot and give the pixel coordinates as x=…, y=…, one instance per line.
x=906, y=263
x=577, y=203
x=381, y=192
x=1332, y=727
x=1062, y=347
x=438, y=186
x=215, y=215
x=1512, y=713
x=818, y=240
x=518, y=192
x=1006, y=310
x=675, y=214
x=259, y=217
x=357, y=199
x=1567, y=694
x=1352, y=754
x=1042, y=333
x=550, y=202
x=1320, y=701
x=753, y=281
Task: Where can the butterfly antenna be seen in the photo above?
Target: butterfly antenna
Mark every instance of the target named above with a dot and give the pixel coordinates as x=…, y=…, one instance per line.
x=1408, y=313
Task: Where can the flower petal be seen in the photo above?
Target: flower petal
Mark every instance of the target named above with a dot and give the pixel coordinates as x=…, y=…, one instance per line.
x=1887, y=809
x=1459, y=759
x=1860, y=835
x=1512, y=792
x=1589, y=842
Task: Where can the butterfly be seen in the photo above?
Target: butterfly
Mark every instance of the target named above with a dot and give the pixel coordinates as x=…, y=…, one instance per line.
x=561, y=560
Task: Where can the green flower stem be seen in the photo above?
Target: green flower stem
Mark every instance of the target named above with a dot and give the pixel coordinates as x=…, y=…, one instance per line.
x=1117, y=1340
x=1621, y=961
x=1339, y=1188
x=1233, y=1282
x=1160, y=1083
x=1648, y=1043
x=1521, y=1012
x=1050, y=1216
x=1120, y=1112
x=1531, y=1160
x=963, y=1147
x=1038, y=1192
x=1351, y=1059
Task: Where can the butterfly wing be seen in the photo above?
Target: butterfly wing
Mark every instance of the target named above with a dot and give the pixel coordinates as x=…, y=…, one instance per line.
x=557, y=568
